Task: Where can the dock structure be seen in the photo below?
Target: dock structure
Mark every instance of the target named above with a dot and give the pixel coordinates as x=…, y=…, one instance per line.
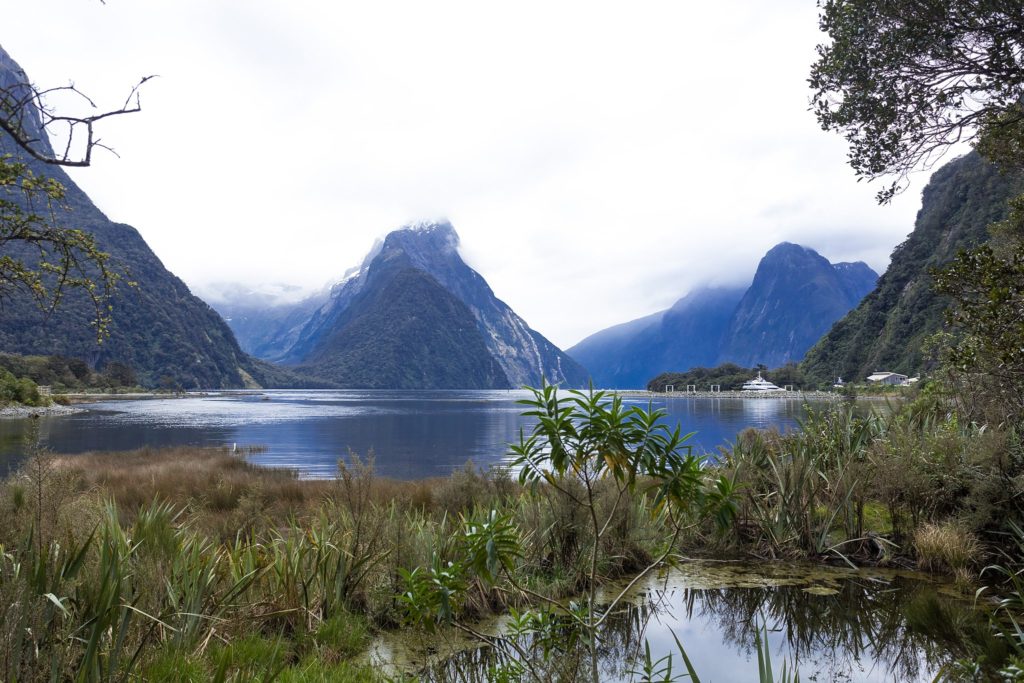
x=793, y=395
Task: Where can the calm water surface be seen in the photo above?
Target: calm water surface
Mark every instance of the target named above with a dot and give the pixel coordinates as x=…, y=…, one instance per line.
x=863, y=626
x=413, y=434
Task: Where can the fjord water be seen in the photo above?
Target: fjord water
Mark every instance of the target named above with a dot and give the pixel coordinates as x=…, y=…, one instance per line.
x=413, y=434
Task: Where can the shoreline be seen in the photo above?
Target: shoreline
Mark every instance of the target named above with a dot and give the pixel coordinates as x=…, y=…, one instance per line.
x=21, y=412
x=85, y=397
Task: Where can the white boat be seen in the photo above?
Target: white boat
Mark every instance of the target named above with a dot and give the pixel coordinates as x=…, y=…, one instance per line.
x=760, y=384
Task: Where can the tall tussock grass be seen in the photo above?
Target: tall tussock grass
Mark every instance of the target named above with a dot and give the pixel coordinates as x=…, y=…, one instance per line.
x=885, y=486
x=946, y=547
x=191, y=564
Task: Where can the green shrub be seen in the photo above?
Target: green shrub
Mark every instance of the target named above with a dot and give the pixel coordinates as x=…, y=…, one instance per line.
x=27, y=392
x=19, y=390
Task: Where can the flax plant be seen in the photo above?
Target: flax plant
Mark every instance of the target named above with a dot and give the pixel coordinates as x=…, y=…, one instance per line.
x=803, y=489
x=591, y=453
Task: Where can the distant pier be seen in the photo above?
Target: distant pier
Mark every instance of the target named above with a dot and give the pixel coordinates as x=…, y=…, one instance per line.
x=769, y=395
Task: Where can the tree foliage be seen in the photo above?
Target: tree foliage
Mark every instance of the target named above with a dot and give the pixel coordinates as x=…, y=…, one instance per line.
x=728, y=377
x=41, y=257
x=63, y=373
x=902, y=80
x=986, y=356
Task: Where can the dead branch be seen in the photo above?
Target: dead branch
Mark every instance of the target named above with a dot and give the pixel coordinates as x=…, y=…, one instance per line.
x=28, y=119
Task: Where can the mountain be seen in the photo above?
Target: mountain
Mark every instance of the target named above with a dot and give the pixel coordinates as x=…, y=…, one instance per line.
x=159, y=328
x=405, y=330
x=414, y=315
x=888, y=329
x=687, y=335
x=265, y=323
x=857, y=279
x=795, y=296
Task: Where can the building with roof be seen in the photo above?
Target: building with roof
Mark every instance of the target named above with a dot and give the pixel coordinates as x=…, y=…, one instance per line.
x=890, y=378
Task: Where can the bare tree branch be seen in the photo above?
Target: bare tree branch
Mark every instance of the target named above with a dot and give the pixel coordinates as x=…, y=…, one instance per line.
x=28, y=118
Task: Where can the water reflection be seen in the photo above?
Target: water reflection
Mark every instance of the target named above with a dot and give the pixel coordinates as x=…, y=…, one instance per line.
x=414, y=434
x=837, y=626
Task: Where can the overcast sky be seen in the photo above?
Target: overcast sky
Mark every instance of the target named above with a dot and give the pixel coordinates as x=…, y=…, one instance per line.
x=597, y=159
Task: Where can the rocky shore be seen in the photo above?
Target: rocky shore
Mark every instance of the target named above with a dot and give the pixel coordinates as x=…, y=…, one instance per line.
x=20, y=411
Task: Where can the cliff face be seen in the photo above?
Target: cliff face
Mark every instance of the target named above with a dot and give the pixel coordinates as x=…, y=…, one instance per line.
x=795, y=297
x=422, y=325
x=796, y=294
x=159, y=328
x=687, y=335
x=889, y=327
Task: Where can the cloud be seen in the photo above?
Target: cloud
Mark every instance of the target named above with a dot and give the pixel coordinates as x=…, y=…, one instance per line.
x=597, y=161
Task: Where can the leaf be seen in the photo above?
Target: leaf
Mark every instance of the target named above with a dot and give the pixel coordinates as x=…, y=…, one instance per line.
x=58, y=602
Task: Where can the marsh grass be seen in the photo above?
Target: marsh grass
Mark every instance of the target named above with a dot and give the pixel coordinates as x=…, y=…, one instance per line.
x=187, y=564
x=947, y=547
x=341, y=637
x=911, y=486
x=223, y=491
x=213, y=479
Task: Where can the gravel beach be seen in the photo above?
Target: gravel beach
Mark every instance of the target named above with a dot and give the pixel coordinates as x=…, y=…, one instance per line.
x=29, y=411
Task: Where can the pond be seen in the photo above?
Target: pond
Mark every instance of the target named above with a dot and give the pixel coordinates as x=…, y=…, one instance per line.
x=830, y=624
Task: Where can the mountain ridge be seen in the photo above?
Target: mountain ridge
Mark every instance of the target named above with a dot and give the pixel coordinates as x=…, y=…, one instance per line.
x=793, y=297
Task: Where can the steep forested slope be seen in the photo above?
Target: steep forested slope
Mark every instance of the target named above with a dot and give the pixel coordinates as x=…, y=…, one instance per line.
x=888, y=329
x=158, y=327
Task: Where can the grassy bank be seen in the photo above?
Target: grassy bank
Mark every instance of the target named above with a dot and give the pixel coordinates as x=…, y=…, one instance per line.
x=191, y=564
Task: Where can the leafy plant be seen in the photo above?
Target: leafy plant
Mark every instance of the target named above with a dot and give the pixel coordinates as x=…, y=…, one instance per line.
x=595, y=454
